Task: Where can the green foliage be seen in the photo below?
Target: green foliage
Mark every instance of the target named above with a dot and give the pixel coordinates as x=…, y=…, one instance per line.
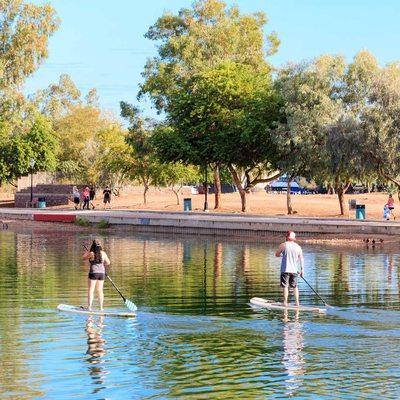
x=82, y=222
x=144, y=167
x=199, y=39
x=103, y=224
x=25, y=29
x=39, y=143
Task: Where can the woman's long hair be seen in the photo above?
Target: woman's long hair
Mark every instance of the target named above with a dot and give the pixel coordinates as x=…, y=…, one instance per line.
x=96, y=249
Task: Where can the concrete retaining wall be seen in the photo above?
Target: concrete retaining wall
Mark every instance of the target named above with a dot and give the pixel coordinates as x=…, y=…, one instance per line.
x=212, y=224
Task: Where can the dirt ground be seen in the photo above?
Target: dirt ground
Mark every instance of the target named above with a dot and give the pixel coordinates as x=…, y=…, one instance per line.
x=318, y=205
x=312, y=205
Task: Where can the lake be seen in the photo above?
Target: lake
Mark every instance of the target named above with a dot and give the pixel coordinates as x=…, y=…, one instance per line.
x=195, y=335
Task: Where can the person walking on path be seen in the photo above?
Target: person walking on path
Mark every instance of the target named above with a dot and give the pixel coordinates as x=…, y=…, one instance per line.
x=86, y=198
x=107, y=197
x=76, y=197
x=92, y=195
x=292, y=257
x=390, y=204
x=98, y=260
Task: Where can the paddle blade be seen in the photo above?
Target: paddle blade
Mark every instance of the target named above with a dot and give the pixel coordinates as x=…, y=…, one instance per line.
x=130, y=305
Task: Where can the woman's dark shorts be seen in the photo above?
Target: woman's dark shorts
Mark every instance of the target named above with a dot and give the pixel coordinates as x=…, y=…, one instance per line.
x=288, y=280
x=107, y=200
x=96, y=276
x=76, y=200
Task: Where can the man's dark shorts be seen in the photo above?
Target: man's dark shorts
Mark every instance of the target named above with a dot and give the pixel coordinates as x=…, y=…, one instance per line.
x=288, y=280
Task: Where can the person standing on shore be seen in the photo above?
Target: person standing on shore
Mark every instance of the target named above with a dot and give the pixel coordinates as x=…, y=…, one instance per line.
x=292, y=257
x=98, y=260
x=390, y=204
x=76, y=197
x=107, y=197
x=92, y=195
x=86, y=198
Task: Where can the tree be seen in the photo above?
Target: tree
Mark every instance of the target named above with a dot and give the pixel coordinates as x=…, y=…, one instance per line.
x=323, y=103
x=199, y=39
x=114, y=157
x=39, y=142
x=380, y=123
x=223, y=115
x=25, y=29
x=175, y=175
x=58, y=99
x=145, y=166
x=77, y=131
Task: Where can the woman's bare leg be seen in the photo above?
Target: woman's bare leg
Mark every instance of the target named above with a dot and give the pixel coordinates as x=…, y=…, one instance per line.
x=100, y=293
x=91, y=287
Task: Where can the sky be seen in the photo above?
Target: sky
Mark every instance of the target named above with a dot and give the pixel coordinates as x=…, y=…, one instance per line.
x=101, y=43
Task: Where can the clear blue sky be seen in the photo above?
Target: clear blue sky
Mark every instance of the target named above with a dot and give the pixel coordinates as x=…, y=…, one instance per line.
x=100, y=43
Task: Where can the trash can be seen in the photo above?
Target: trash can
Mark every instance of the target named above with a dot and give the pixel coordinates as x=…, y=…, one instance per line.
x=41, y=202
x=187, y=204
x=360, y=211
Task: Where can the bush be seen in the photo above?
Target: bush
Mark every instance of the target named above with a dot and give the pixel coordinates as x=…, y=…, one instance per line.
x=103, y=224
x=82, y=222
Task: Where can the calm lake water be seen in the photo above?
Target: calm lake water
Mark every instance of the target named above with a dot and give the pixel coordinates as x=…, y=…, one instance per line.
x=195, y=336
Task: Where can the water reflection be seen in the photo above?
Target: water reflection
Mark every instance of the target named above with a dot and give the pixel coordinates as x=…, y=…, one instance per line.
x=96, y=350
x=293, y=357
x=195, y=335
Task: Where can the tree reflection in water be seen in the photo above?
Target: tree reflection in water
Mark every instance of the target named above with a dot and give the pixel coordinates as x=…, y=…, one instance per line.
x=293, y=355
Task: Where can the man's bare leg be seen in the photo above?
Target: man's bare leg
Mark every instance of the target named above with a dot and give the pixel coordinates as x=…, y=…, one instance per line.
x=285, y=295
x=296, y=296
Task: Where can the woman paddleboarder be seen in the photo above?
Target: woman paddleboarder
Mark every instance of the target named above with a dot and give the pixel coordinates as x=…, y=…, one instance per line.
x=98, y=260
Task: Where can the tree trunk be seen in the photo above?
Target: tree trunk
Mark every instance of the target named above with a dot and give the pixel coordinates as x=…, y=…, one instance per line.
x=146, y=189
x=239, y=186
x=288, y=197
x=176, y=193
x=341, y=199
x=217, y=186
x=341, y=190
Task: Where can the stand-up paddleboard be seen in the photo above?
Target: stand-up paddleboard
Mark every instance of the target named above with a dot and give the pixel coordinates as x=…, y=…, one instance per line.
x=270, y=304
x=80, y=310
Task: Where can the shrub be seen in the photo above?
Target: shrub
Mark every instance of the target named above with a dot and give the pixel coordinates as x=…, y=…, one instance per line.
x=82, y=222
x=103, y=224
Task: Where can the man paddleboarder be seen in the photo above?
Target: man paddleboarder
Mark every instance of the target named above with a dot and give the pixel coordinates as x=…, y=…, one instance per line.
x=292, y=256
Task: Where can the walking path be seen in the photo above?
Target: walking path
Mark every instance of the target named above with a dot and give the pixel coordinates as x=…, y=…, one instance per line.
x=210, y=223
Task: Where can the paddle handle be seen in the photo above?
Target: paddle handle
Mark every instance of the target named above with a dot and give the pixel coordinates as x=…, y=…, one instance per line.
x=304, y=279
x=123, y=297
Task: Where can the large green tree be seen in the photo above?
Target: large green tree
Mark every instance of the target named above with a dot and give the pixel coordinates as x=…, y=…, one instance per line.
x=198, y=39
x=224, y=115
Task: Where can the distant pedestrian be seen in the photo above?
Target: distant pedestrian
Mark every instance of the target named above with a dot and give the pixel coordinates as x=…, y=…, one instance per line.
x=390, y=204
x=76, y=197
x=107, y=197
x=86, y=197
x=92, y=195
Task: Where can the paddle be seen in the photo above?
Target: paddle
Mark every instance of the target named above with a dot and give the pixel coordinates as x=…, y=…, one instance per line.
x=129, y=304
x=326, y=304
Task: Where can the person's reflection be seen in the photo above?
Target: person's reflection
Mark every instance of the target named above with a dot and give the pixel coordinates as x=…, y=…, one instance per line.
x=293, y=357
x=96, y=351
x=388, y=264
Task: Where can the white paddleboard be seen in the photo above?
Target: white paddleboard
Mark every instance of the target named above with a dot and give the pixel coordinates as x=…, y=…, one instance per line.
x=270, y=304
x=80, y=310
